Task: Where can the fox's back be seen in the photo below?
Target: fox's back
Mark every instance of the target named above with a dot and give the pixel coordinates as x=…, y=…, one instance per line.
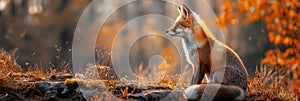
x=235, y=72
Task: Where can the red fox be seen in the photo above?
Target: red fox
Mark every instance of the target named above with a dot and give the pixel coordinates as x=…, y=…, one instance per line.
x=203, y=51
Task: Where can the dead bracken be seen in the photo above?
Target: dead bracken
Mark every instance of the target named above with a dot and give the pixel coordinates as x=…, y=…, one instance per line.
x=38, y=85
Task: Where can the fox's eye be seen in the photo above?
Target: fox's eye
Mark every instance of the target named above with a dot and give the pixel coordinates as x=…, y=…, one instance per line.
x=182, y=25
x=186, y=24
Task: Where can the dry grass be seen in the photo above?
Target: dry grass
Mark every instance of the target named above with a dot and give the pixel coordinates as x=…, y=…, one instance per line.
x=268, y=84
x=17, y=84
x=8, y=63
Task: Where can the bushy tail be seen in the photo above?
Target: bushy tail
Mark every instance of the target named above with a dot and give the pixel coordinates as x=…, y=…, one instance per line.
x=224, y=92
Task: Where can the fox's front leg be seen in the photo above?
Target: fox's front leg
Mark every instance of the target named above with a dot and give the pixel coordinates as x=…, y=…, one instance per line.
x=199, y=74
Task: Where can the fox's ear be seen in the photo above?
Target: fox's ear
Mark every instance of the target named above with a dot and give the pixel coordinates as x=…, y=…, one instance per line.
x=179, y=10
x=185, y=11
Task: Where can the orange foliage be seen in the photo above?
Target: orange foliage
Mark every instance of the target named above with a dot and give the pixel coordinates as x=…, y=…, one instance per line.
x=167, y=81
x=108, y=31
x=282, y=18
x=227, y=17
x=164, y=66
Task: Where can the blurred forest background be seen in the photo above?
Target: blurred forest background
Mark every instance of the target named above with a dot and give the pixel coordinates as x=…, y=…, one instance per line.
x=42, y=30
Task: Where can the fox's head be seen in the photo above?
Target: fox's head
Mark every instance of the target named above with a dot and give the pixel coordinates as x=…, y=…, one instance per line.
x=187, y=23
x=184, y=23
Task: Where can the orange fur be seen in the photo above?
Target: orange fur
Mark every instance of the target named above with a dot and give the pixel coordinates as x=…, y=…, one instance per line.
x=210, y=52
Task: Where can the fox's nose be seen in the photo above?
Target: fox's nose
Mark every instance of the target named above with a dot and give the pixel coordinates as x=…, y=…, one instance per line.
x=167, y=31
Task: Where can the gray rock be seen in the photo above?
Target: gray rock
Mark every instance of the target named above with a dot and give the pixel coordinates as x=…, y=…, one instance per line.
x=51, y=88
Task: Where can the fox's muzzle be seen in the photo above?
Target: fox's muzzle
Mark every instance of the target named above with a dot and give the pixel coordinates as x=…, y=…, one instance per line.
x=171, y=32
x=175, y=32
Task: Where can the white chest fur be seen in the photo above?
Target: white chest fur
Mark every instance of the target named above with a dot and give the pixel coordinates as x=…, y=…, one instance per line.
x=190, y=51
x=187, y=53
x=190, y=48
